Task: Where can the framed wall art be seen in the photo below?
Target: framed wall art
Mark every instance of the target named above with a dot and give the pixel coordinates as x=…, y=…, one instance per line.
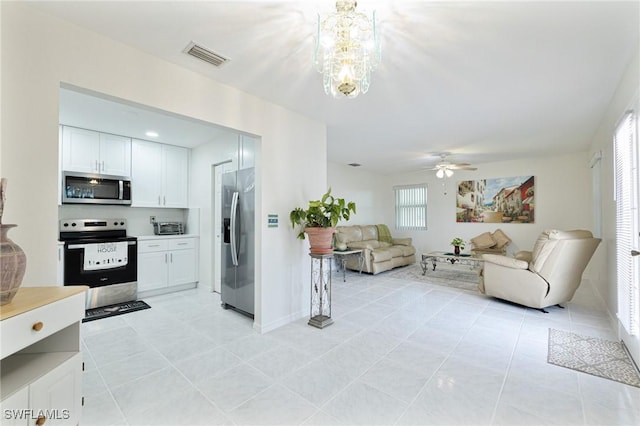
x=499, y=200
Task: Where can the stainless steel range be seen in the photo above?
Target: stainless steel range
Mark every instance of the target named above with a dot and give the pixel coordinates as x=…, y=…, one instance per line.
x=98, y=253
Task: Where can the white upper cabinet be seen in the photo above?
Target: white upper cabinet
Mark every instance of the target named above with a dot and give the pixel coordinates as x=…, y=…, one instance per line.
x=175, y=165
x=160, y=175
x=146, y=174
x=115, y=155
x=88, y=151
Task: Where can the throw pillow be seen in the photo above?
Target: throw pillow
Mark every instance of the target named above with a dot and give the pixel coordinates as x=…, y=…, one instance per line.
x=482, y=241
x=500, y=238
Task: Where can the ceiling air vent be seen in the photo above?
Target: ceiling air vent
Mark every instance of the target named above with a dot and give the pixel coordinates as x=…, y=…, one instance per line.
x=205, y=54
x=354, y=164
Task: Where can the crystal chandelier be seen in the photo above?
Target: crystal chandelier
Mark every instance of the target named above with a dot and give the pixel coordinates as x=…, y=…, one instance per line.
x=347, y=50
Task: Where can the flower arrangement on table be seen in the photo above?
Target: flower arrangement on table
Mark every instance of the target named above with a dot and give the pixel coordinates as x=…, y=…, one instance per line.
x=458, y=244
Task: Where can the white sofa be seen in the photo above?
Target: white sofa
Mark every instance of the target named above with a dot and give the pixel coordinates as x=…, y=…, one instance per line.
x=548, y=275
x=378, y=255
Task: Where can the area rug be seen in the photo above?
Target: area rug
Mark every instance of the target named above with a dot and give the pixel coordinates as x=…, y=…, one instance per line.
x=446, y=275
x=592, y=355
x=113, y=310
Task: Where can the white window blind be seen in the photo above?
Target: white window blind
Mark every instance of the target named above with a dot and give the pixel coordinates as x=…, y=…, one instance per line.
x=411, y=207
x=626, y=191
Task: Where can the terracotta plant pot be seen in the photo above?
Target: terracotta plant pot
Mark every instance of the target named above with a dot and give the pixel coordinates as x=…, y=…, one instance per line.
x=456, y=250
x=320, y=240
x=13, y=263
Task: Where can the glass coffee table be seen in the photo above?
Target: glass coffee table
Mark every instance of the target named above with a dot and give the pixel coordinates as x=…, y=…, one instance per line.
x=441, y=256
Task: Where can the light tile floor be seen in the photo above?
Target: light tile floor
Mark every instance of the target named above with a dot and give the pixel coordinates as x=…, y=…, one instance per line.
x=399, y=353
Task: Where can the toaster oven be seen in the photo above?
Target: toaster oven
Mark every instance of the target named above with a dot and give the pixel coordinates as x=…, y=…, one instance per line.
x=168, y=228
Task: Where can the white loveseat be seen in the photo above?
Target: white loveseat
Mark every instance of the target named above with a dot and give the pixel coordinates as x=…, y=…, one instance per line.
x=378, y=255
x=547, y=276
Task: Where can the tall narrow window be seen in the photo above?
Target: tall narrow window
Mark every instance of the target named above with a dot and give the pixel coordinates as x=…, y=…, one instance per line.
x=627, y=226
x=411, y=207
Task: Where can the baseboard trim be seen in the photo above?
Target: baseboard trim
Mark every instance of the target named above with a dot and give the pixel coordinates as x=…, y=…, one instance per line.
x=165, y=290
x=265, y=328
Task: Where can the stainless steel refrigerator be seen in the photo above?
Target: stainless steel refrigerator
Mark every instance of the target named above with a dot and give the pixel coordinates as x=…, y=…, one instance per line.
x=238, y=246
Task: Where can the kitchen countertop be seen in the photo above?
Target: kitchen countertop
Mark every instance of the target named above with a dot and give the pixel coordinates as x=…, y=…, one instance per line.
x=163, y=237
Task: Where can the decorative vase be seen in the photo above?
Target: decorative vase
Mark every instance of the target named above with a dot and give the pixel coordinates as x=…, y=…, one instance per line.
x=13, y=263
x=456, y=250
x=320, y=240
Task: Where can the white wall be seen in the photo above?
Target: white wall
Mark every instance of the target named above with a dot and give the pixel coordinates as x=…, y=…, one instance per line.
x=563, y=200
x=605, y=260
x=39, y=52
x=361, y=187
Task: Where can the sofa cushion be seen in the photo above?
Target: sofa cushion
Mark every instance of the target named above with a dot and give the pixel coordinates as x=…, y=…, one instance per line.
x=484, y=240
x=384, y=244
x=367, y=244
x=369, y=232
x=547, y=241
x=540, y=242
x=500, y=238
x=407, y=250
x=347, y=234
x=401, y=241
x=396, y=251
x=570, y=235
x=382, y=254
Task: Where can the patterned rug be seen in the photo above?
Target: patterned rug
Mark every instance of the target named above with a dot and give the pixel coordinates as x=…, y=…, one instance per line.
x=446, y=275
x=591, y=355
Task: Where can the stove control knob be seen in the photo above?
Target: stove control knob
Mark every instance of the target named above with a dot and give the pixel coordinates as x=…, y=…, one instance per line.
x=66, y=225
x=115, y=223
x=73, y=224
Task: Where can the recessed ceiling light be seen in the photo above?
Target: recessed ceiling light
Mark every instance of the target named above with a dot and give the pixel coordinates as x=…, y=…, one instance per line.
x=152, y=134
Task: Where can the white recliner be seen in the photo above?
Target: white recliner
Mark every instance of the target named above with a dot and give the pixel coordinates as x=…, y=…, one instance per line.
x=547, y=276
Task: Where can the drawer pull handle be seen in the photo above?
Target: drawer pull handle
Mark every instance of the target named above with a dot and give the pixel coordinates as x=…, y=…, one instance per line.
x=41, y=420
x=37, y=327
x=182, y=244
x=154, y=245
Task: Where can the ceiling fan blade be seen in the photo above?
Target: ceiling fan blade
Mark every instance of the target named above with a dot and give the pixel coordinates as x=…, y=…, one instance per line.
x=462, y=167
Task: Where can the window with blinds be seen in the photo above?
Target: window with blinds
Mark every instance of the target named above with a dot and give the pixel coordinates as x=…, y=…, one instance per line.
x=627, y=232
x=411, y=207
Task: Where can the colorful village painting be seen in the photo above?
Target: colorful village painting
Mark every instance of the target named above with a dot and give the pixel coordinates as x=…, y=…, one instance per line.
x=500, y=200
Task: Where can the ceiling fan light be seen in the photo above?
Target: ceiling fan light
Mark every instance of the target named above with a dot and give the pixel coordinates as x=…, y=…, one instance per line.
x=448, y=172
x=440, y=174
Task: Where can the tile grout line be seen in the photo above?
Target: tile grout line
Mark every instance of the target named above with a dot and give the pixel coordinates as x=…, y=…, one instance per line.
x=507, y=372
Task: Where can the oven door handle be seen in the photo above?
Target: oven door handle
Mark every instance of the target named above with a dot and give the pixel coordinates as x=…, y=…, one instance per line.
x=81, y=246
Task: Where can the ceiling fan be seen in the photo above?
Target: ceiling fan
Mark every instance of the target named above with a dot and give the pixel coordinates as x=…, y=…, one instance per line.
x=446, y=168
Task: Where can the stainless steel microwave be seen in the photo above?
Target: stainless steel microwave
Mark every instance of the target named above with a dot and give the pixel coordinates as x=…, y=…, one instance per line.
x=87, y=188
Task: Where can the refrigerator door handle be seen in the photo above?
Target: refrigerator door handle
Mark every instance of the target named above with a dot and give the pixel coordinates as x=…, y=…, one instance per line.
x=234, y=209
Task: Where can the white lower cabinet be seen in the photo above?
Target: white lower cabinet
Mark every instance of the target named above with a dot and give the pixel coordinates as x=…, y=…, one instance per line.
x=54, y=399
x=57, y=396
x=165, y=263
x=13, y=409
x=41, y=367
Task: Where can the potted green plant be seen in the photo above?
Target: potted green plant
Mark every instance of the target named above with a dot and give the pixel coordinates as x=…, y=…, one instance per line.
x=320, y=219
x=458, y=244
